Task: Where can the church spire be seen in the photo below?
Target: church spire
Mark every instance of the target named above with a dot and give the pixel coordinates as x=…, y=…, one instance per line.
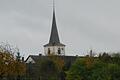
x=54, y=46
x=54, y=37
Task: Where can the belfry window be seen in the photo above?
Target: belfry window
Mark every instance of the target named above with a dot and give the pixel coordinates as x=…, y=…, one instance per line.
x=48, y=51
x=59, y=51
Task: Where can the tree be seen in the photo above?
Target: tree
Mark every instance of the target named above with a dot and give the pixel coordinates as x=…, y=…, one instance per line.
x=48, y=70
x=51, y=68
x=9, y=65
x=93, y=69
x=58, y=60
x=77, y=70
x=116, y=58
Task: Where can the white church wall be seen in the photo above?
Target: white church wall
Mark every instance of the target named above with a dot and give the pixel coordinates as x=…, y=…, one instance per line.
x=54, y=49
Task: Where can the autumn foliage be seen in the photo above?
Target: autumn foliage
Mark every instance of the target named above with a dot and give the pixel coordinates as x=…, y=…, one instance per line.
x=59, y=62
x=51, y=68
x=9, y=65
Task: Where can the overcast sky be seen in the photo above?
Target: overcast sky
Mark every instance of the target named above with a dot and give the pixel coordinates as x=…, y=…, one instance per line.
x=82, y=25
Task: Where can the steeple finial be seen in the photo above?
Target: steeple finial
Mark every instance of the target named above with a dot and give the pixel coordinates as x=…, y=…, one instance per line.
x=53, y=5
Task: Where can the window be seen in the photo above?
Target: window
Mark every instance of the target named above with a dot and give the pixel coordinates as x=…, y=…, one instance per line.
x=59, y=51
x=48, y=51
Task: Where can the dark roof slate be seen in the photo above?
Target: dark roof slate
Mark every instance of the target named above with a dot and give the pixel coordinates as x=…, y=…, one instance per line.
x=54, y=37
x=54, y=44
x=38, y=58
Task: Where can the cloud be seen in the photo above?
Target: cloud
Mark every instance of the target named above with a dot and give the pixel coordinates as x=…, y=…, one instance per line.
x=82, y=24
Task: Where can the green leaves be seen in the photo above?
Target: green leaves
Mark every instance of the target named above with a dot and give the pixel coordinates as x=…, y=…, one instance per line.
x=93, y=69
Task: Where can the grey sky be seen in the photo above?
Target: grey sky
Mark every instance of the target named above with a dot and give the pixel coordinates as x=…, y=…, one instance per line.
x=82, y=24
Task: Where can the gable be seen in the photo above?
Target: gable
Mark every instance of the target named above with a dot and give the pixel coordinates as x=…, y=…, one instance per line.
x=30, y=60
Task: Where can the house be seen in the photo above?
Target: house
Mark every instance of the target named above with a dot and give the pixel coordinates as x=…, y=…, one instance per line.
x=33, y=61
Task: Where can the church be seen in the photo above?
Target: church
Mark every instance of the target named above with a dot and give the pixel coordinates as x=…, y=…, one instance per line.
x=54, y=47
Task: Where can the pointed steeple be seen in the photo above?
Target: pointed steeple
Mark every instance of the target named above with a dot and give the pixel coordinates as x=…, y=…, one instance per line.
x=54, y=47
x=54, y=37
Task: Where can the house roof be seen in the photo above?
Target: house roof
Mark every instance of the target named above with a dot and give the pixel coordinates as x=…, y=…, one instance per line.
x=38, y=58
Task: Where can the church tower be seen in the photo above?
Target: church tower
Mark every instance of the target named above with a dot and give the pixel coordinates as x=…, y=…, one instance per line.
x=54, y=46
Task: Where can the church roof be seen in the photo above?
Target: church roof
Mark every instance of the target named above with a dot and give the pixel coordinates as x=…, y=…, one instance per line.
x=54, y=37
x=54, y=44
x=38, y=58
